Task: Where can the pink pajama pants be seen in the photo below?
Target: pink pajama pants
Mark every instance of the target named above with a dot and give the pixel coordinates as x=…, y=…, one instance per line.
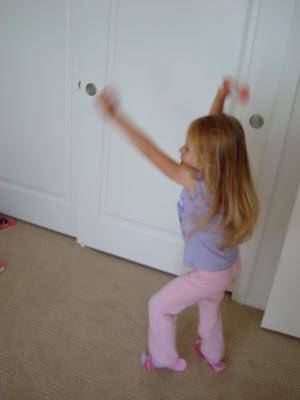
x=197, y=287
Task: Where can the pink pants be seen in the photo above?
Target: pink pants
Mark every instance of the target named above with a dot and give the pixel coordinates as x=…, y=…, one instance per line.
x=197, y=287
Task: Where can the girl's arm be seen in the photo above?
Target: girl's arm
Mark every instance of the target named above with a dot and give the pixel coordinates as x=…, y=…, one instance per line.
x=106, y=101
x=218, y=103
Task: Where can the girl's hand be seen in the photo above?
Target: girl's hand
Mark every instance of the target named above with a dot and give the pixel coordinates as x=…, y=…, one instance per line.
x=226, y=88
x=227, y=85
x=240, y=90
x=223, y=91
x=107, y=101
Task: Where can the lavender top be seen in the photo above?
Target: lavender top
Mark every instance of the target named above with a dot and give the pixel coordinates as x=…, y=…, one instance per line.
x=202, y=247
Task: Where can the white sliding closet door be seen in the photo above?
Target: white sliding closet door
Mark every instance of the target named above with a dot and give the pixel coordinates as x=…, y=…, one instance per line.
x=167, y=58
x=37, y=99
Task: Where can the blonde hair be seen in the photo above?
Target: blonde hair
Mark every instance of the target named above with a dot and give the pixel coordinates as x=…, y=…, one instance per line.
x=220, y=144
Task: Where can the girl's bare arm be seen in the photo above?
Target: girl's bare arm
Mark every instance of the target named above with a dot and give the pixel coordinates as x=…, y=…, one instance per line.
x=175, y=171
x=218, y=103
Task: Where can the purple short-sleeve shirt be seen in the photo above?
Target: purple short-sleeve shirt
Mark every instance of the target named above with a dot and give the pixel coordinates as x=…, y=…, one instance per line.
x=202, y=247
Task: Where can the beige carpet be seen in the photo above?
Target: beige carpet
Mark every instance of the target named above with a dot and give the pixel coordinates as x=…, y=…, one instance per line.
x=73, y=322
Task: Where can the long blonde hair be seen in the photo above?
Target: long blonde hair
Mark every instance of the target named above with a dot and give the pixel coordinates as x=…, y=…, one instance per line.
x=220, y=145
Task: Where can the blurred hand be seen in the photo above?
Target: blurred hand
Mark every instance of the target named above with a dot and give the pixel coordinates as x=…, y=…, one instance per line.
x=227, y=86
x=107, y=101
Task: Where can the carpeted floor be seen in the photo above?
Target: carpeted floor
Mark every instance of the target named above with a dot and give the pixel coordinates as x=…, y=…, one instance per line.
x=73, y=322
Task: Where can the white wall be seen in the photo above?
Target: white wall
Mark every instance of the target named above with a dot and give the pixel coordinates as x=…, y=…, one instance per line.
x=282, y=312
x=284, y=194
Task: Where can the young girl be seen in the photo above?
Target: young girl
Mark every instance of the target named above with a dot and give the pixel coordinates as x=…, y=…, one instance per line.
x=218, y=208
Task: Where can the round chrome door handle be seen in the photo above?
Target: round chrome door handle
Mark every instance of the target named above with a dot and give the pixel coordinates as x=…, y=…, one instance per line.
x=91, y=89
x=256, y=121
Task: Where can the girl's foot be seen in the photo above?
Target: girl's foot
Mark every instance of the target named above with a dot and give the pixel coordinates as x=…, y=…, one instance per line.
x=217, y=367
x=1, y=267
x=149, y=363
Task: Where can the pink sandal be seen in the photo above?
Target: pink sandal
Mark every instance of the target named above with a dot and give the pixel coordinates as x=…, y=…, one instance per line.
x=146, y=360
x=1, y=267
x=4, y=223
x=217, y=367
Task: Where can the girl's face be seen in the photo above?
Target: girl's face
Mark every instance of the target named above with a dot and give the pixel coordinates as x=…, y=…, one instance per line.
x=188, y=155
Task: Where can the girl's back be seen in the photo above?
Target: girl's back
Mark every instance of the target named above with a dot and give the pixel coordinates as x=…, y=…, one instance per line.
x=202, y=246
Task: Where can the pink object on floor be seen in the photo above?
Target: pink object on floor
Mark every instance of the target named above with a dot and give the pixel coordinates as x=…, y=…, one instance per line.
x=1, y=267
x=217, y=367
x=5, y=222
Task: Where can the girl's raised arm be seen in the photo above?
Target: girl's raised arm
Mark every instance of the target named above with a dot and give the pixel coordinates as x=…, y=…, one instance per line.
x=218, y=103
x=108, y=102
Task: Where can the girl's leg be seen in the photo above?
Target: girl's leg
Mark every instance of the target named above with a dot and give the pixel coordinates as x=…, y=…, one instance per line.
x=210, y=328
x=164, y=307
x=179, y=294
